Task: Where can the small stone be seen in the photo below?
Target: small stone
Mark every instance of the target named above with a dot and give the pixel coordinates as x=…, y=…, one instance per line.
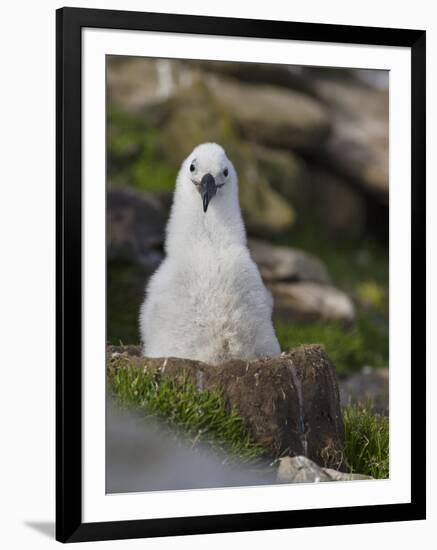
x=300, y=469
x=308, y=301
x=281, y=263
x=368, y=387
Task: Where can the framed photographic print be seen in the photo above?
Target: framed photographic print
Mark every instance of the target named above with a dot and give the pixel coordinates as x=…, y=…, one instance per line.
x=240, y=274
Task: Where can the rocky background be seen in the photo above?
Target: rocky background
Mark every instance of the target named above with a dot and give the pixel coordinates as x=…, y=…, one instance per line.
x=310, y=146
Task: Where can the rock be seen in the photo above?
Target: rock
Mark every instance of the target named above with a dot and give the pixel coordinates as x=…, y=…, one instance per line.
x=357, y=147
x=271, y=115
x=290, y=404
x=339, y=206
x=260, y=73
x=300, y=284
x=137, y=82
x=282, y=263
x=300, y=469
x=332, y=202
x=309, y=301
x=265, y=212
x=136, y=224
x=370, y=387
x=373, y=78
x=288, y=174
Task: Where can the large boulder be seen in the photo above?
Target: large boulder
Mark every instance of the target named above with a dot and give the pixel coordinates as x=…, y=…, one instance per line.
x=287, y=76
x=137, y=82
x=340, y=208
x=290, y=403
x=272, y=115
x=357, y=147
x=136, y=225
x=289, y=175
x=317, y=194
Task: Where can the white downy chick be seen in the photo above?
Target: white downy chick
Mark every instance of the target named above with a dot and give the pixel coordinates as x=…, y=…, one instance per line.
x=207, y=301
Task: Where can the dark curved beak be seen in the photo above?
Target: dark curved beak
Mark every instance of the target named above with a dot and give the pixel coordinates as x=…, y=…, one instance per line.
x=208, y=189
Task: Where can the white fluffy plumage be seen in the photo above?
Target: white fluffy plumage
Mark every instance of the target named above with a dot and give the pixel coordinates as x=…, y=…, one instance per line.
x=207, y=301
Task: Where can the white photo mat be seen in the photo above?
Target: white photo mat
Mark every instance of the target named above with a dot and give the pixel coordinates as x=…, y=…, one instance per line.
x=97, y=505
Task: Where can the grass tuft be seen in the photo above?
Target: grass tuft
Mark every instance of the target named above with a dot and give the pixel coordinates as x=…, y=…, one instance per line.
x=202, y=416
x=366, y=441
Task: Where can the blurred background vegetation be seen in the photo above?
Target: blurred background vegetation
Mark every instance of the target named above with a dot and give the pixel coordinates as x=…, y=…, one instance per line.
x=310, y=146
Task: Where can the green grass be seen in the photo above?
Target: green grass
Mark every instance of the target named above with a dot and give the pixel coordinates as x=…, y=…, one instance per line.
x=202, y=416
x=366, y=442
x=350, y=349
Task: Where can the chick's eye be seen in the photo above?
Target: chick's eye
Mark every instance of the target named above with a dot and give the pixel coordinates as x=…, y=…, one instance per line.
x=192, y=167
x=225, y=172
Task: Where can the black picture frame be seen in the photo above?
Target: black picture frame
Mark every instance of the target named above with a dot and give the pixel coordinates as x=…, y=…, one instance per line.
x=69, y=24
